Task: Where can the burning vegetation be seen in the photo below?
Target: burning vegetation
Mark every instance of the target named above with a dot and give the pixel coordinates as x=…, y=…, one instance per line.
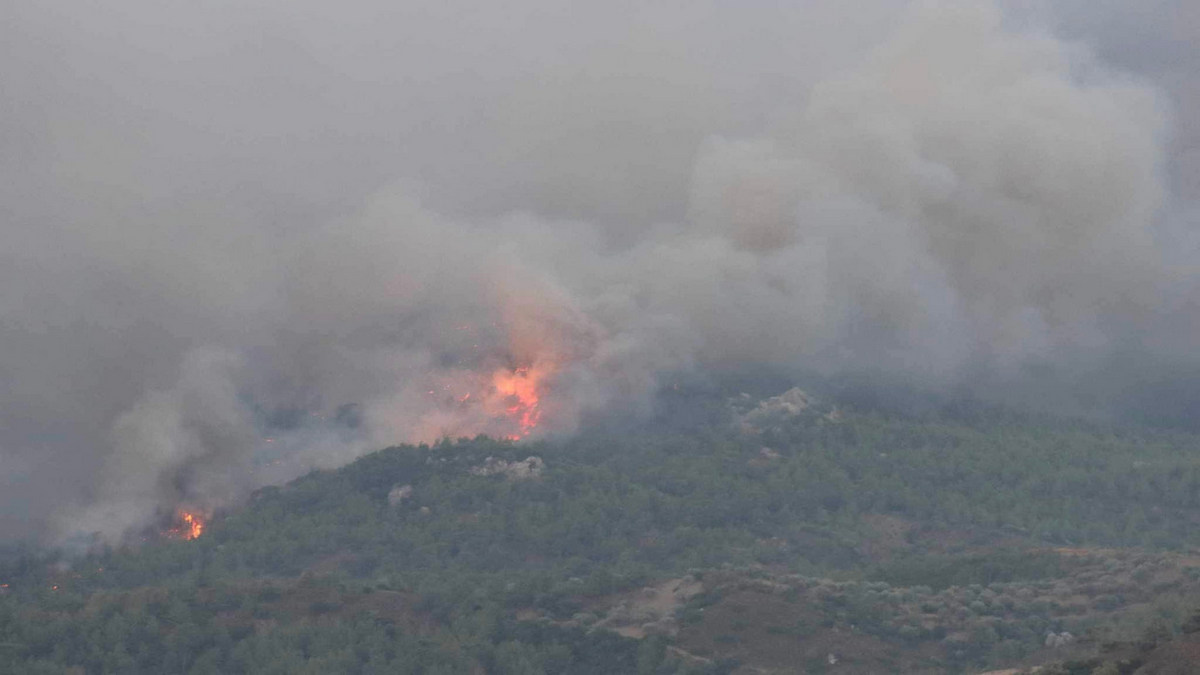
x=519, y=389
x=188, y=525
x=502, y=402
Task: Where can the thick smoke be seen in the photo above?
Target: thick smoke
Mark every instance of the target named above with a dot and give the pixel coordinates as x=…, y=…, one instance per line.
x=247, y=241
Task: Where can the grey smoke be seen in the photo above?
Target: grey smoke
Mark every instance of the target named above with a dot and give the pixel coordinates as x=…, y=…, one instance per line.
x=216, y=215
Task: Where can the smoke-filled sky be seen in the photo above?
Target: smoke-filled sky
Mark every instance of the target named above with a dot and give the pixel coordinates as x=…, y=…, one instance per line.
x=241, y=239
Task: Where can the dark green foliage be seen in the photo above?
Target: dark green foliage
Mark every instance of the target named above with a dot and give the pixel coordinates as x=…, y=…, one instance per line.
x=611, y=512
x=940, y=571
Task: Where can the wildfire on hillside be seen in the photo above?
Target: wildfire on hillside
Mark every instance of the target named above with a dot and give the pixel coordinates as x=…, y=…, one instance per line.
x=502, y=379
x=188, y=525
x=519, y=389
x=503, y=401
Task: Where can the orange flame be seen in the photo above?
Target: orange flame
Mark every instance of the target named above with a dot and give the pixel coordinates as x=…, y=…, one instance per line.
x=189, y=526
x=194, y=524
x=520, y=391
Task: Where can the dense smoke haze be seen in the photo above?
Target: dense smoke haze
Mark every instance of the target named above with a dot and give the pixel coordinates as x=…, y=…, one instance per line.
x=241, y=240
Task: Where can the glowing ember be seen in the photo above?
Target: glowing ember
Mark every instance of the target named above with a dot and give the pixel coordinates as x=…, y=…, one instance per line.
x=188, y=526
x=519, y=389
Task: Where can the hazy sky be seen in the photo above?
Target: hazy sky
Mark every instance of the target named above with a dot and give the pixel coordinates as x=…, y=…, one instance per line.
x=216, y=213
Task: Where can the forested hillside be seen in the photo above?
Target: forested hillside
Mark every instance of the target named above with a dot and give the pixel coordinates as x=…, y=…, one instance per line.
x=781, y=535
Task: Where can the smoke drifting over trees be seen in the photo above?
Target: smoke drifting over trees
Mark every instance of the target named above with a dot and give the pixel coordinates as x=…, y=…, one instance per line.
x=216, y=216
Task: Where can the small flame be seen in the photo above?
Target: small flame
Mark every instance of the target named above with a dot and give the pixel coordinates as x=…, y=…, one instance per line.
x=188, y=526
x=195, y=525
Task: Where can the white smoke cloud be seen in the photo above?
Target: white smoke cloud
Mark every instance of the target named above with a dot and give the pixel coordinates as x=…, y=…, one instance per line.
x=184, y=446
x=209, y=285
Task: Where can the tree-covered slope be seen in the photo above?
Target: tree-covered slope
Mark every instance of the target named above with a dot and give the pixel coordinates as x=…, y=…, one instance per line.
x=466, y=556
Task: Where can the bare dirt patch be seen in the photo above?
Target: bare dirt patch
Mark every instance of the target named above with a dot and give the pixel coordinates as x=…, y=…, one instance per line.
x=651, y=609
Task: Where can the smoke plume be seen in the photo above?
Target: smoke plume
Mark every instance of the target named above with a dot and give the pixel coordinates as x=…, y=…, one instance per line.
x=242, y=242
